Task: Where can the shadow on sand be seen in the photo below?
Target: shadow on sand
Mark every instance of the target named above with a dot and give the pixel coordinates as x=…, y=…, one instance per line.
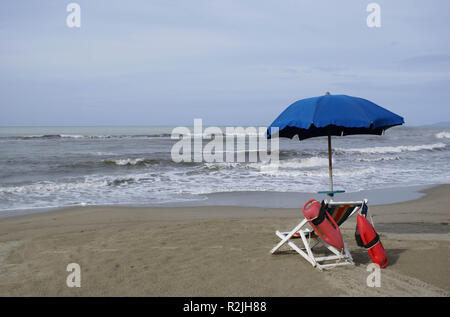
x=360, y=256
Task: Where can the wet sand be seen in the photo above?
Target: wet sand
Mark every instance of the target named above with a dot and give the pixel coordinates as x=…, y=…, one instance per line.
x=217, y=251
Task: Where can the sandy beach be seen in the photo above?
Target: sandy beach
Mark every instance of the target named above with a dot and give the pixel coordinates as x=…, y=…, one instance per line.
x=216, y=251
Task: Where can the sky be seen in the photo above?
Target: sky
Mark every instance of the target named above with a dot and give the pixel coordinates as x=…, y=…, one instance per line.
x=228, y=62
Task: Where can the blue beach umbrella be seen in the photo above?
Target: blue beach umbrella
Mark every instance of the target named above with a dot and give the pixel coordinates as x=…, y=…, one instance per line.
x=329, y=115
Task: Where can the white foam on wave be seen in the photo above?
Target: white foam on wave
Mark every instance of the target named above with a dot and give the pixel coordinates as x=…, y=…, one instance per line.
x=99, y=153
x=443, y=135
x=222, y=165
x=296, y=163
x=380, y=159
x=72, y=136
x=92, y=188
x=127, y=161
x=274, y=171
x=86, y=185
x=50, y=187
x=394, y=149
x=304, y=163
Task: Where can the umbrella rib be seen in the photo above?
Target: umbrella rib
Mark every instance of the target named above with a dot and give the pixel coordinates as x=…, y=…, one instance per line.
x=366, y=114
x=315, y=110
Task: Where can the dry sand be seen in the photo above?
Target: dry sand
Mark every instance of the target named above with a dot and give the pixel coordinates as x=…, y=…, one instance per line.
x=216, y=251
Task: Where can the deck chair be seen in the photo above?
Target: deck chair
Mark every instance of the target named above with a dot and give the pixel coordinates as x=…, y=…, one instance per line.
x=340, y=211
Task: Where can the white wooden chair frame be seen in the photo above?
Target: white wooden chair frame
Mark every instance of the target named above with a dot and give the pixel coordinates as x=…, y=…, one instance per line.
x=339, y=257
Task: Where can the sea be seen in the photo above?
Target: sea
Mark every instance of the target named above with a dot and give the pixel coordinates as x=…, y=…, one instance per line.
x=54, y=167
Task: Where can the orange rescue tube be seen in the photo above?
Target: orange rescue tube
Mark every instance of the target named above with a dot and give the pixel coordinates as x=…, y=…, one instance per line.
x=323, y=224
x=371, y=241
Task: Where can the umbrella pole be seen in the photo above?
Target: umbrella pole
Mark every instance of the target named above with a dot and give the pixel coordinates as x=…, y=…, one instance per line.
x=330, y=165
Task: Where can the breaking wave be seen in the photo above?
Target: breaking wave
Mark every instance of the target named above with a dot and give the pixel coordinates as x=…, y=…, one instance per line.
x=443, y=135
x=130, y=162
x=380, y=159
x=304, y=163
x=395, y=149
x=77, y=136
x=298, y=163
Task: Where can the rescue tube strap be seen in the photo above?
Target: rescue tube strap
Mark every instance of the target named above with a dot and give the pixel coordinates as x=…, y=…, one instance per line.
x=374, y=241
x=358, y=239
x=321, y=217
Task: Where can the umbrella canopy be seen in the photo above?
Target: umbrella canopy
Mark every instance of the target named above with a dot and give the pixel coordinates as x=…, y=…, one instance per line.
x=333, y=115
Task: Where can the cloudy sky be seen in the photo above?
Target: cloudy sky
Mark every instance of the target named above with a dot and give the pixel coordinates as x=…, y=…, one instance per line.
x=229, y=62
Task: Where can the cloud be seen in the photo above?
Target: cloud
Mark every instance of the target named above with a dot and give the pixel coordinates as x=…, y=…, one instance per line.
x=439, y=62
x=213, y=57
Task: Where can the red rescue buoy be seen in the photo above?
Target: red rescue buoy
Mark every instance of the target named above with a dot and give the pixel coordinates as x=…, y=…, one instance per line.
x=323, y=224
x=371, y=241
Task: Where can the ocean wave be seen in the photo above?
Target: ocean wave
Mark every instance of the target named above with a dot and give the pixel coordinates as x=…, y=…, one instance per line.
x=44, y=137
x=355, y=172
x=129, y=162
x=121, y=181
x=87, y=184
x=394, y=149
x=145, y=162
x=443, y=135
x=49, y=187
x=380, y=159
x=222, y=165
x=157, y=135
x=152, y=135
x=71, y=136
x=79, y=136
x=304, y=163
x=297, y=163
x=239, y=134
x=111, y=162
x=287, y=164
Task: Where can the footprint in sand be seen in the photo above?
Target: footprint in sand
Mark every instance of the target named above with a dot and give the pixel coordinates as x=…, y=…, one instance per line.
x=352, y=281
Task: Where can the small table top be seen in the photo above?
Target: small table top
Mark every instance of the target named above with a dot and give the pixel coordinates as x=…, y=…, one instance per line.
x=331, y=192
